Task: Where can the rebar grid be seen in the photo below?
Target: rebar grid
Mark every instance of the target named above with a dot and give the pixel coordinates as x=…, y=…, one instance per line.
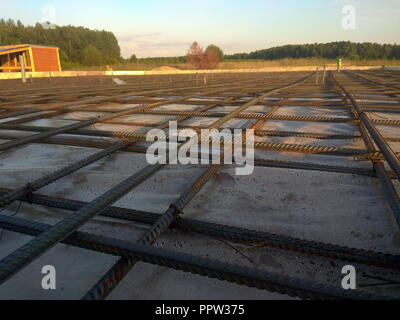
x=23, y=105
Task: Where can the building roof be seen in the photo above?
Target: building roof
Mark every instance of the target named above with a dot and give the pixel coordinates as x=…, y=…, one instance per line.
x=14, y=47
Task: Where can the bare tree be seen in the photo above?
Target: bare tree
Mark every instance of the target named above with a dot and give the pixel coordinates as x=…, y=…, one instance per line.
x=195, y=55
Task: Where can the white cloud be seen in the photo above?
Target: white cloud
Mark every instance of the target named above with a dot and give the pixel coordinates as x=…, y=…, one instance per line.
x=157, y=44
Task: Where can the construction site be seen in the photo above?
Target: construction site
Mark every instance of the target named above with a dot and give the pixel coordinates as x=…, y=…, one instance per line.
x=78, y=193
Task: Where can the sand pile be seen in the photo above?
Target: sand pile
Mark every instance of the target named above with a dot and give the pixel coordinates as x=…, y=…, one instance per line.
x=165, y=68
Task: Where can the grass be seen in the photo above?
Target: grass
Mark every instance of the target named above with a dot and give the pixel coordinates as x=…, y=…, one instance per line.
x=259, y=64
x=239, y=64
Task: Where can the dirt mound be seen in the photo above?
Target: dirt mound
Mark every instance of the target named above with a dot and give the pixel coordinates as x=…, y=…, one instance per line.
x=165, y=68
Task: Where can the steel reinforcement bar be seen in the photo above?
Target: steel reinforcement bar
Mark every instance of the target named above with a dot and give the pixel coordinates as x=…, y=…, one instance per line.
x=41, y=244
x=36, y=185
x=259, y=133
x=241, y=275
x=105, y=118
x=284, y=147
x=46, y=180
x=374, y=82
x=235, y=234
x=83, y=93
x=81, y=124
x=56, y=106
x=119, y=270
x=387, y=185
x=384, y=147
x=252, y=116
x=39, y=94
x=95, y=100
x=255, y=116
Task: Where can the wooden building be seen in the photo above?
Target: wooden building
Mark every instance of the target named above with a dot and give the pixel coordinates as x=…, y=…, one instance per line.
x=37, y=58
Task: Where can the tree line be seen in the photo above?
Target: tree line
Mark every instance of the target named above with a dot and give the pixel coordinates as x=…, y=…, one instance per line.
x=157, y=60
x=78, y=45
x=348, y=50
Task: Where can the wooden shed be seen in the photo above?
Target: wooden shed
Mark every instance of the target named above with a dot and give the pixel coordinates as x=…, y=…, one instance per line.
x=37, y=58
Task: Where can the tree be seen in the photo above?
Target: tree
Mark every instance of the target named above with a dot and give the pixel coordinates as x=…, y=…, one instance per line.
x=210, y=60
x=202, y=60
x=218, y=51
x=92, y=56
x=195, y=55
x=133, y=59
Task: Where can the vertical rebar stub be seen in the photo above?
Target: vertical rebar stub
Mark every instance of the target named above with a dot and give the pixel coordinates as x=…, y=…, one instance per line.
x=22, y=65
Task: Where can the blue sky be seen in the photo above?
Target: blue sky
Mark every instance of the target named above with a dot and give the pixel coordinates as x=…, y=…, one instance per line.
x=168, y=27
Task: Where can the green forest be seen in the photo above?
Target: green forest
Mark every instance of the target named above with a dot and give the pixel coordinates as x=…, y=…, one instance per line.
x=333, y=50
x=78, y=45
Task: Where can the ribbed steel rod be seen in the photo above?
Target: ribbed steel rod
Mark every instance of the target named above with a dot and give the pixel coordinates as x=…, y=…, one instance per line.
x=104, y=118
x=254, y=116
x=239, y=110
x=48, y=179
x=96, y=100
x=241, y=275
x=6, y=199
x=387, y=185
x=40, y=183
x=384, y=147
x=119, y=270
x=241, y=235
x=36, y=185
x=45, y=241
x=260, y=133
x=374, y=82
x=284, y=147
x=38, y=246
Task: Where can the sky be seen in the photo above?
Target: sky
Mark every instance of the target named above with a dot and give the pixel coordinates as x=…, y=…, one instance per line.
x=151, y=28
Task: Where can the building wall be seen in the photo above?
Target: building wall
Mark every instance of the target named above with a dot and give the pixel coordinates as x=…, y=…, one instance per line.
x=45, y=59
x=4, y=62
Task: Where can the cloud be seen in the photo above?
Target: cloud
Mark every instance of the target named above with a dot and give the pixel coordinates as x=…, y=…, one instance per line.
x=151, y=45
x=157, y=44
x=131, y=37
